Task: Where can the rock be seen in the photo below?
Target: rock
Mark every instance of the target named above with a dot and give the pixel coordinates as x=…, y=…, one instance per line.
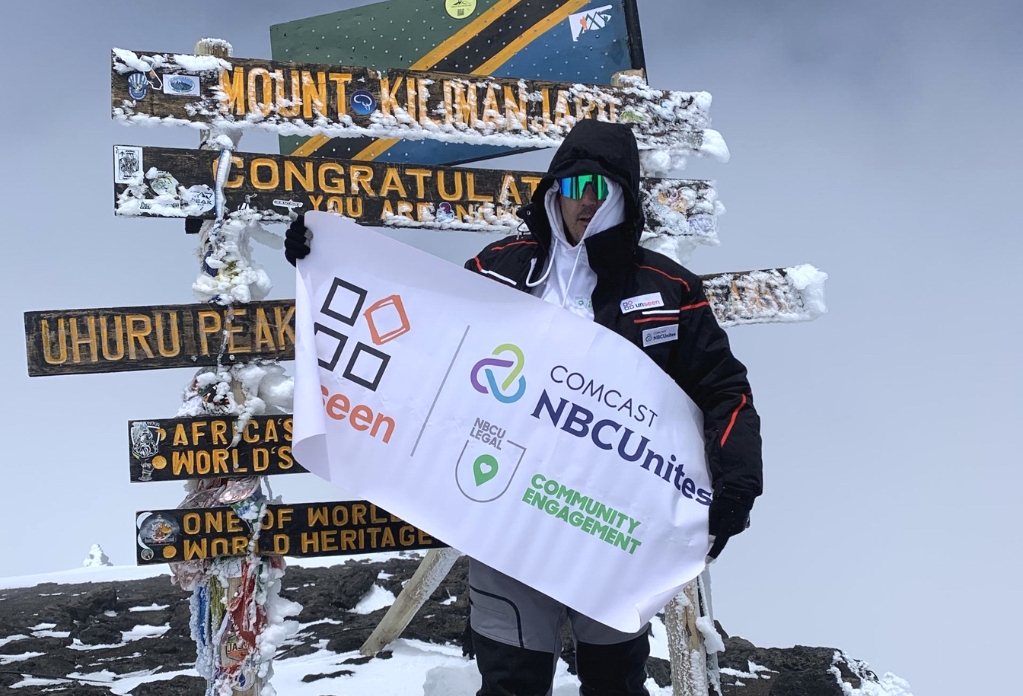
x=316, y=677
x=93, y=603
x=799, y=671
x=178, y=686
x=96, y=558
x=97, y=614
x=98, y=632
x=659, y=670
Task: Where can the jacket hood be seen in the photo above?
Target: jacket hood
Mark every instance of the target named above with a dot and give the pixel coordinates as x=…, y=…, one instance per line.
x=593, y=147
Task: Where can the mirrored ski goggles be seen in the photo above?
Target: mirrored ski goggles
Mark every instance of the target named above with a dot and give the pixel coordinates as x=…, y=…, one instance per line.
x=574, y=186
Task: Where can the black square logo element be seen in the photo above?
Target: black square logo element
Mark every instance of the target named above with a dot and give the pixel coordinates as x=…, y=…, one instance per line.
x=344, y=302
x=366, y=367
x=341, y=341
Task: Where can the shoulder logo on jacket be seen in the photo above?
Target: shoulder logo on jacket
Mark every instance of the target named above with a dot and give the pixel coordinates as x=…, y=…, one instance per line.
x=660, y=334
x=648, y=301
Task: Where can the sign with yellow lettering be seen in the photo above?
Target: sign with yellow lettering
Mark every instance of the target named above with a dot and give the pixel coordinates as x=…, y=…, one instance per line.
x=373, y=193
x=146, y=338
x=351, y=101
x=180, y=449
x=79, y=341
x=307, y=529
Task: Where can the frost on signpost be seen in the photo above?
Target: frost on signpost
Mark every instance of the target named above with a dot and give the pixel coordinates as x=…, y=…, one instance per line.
x=238, y=616
x=693, y=641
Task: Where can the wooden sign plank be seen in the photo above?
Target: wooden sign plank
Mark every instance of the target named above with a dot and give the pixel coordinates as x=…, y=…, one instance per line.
x=145, y=338
x=168, y=182
x=772, y=296
x=344, y=101
x=182, y=449
x=80, y=341
x=306, y=529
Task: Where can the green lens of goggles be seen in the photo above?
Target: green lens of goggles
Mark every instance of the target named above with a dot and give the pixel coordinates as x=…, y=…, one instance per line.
x=574, y=186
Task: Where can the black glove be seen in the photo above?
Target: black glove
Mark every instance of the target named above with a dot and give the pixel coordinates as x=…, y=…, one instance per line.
x=296, y=240
x=728, y=516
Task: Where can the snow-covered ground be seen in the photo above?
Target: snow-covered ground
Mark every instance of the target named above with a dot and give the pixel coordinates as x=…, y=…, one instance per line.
x=413, y=666
x=85, y=574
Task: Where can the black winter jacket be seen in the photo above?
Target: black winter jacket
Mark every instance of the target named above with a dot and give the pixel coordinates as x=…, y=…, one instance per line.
x=700, y=360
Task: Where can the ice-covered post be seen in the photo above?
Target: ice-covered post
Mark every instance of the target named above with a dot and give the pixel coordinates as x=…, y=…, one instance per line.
x=693, y=642
x=237, y=613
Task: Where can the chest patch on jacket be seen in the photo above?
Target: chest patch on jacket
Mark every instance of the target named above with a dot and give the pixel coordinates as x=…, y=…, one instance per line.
x=649, y=301
x=660, y=334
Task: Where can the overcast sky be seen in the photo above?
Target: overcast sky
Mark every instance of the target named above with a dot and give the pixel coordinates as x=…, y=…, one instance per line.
x=877, y=140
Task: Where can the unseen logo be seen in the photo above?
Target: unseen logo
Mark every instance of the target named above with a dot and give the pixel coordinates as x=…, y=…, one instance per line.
x=386, y=320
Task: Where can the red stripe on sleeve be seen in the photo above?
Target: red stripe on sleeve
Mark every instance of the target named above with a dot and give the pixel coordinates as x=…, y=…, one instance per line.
x=669, y=317
x=670, y=277
x=511, y=244
x=735, y=414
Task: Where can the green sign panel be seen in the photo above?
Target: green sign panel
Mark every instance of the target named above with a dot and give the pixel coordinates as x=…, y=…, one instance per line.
x=558, y=40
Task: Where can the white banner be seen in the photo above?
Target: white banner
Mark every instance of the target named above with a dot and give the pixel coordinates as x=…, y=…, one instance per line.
x=534, y=440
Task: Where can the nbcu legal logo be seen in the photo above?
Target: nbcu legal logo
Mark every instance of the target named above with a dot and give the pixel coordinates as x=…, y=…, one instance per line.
x=514, y=377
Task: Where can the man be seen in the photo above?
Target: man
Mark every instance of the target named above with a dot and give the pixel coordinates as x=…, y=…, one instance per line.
x=582, y=253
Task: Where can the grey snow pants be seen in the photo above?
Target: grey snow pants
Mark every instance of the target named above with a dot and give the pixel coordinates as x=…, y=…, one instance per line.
x=516, y=636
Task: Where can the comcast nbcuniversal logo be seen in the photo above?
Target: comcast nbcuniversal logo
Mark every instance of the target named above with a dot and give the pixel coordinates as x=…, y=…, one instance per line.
x=513, y=386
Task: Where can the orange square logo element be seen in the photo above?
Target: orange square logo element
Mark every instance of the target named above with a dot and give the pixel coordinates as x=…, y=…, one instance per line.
x=387, y=320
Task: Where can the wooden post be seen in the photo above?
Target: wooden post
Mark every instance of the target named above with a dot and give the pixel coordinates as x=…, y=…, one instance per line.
x=694, y=670
x=230, y=651
x=220, y=49
x=685, y=644
x=707, y=611
x=427, y=578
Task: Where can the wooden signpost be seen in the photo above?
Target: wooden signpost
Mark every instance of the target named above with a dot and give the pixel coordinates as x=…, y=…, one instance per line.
x=79, y=341
x=346, y=101
x=183, y=449
x=121, y=339
x=772, y=296
x=307, y=529
x=225, y=449
x=166, y=182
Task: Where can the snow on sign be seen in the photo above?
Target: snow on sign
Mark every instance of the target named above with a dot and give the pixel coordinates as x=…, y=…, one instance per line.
x=119, y=339
x=306, y=529
x=181, y=449
x=164, y=183
x=333, y=100
x=773, y=296
x=82, y=341
x=505, y=38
